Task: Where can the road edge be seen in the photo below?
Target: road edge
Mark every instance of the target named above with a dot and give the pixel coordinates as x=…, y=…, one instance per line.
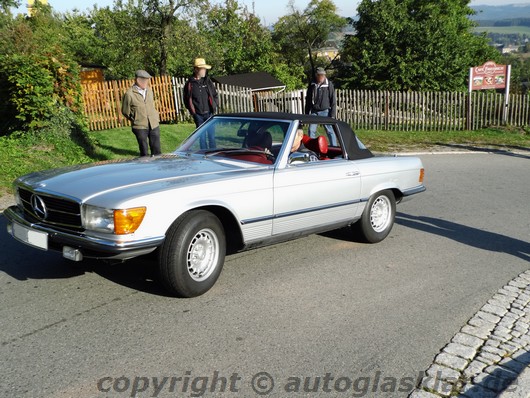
x=489, y=357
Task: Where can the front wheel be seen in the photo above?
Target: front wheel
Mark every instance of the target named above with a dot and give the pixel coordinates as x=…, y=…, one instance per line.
x=378, y=217
x=192, y=255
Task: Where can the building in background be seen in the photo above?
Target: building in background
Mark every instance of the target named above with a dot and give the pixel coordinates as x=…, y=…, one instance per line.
x=31, y=6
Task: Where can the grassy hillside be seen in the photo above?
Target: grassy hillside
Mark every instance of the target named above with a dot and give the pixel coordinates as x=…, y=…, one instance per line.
x=504, y=29
x=509, y=11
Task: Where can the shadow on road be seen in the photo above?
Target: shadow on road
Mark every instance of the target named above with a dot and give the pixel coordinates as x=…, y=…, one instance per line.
x=501, y=379
x=474, y=237
x=140, y=274
x=22, y=262
x=25, y=263
x=500, y=150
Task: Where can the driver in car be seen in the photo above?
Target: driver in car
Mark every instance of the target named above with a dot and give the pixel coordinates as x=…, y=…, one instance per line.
x=299, y=153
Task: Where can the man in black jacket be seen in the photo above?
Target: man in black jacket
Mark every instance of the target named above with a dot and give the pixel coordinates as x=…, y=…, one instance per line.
x=321, y=100
x=201, y=99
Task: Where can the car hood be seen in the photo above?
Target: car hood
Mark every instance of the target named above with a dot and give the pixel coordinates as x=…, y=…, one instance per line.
x=82, y=182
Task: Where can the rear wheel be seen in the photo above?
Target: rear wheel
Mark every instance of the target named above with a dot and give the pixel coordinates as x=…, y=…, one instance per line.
x=192, y=255
x=378, y=217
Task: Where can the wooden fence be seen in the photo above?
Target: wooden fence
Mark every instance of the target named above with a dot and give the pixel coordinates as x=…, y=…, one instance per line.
x=103, y=101
x=413, y=111
x=363, y=109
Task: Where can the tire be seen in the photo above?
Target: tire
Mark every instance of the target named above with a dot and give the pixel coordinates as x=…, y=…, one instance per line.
x=192, y=255
x=378, y=217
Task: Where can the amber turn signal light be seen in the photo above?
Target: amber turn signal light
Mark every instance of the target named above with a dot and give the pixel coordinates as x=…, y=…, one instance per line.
x=127, y=221
x=422, y=175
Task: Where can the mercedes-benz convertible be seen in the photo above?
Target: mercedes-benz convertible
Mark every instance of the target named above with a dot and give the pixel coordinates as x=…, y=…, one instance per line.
x=238, y=182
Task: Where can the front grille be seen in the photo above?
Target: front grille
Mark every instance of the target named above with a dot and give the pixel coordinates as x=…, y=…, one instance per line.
x=60, y=212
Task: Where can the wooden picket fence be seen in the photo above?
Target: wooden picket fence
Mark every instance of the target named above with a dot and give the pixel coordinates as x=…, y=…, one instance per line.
x=411, y=111
x=363, y=109
x=103, y=101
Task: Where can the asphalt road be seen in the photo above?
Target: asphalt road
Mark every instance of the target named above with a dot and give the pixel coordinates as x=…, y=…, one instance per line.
x=354, y=319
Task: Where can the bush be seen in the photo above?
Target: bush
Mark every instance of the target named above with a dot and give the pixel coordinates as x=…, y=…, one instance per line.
x=40, y=76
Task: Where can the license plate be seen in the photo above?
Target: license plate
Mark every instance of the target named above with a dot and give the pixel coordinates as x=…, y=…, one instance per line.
x=30, y=236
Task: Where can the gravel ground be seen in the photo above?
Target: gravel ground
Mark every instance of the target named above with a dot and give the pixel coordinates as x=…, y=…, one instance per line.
x=6, y=201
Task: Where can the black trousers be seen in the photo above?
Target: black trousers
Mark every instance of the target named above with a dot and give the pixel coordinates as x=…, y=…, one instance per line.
x=153, y=135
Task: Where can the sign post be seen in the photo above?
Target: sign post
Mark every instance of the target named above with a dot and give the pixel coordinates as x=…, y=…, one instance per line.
x=507, y=94
x=487, y=77
x=469, y=110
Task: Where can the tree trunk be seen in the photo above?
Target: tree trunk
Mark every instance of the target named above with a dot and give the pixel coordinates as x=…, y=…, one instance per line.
x=163, y=42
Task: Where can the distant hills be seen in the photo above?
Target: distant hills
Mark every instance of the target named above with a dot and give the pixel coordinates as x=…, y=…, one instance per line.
x=499, y=13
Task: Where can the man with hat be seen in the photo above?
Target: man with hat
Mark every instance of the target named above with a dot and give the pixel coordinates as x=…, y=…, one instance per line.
x=201, y=99
x=321, y=100
x=138, y=106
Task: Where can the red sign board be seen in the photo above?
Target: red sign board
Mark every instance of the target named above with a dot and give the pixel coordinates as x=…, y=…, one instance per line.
x=488, y=76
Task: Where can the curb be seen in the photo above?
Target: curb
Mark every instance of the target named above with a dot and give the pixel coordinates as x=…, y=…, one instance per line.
x=523, y=386
x=489, y=356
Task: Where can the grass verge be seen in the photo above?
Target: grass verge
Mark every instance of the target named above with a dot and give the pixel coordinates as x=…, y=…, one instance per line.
x=121, y=142
x=491, y=138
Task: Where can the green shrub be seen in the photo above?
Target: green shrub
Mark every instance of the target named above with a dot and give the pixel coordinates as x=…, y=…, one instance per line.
x=39, y=76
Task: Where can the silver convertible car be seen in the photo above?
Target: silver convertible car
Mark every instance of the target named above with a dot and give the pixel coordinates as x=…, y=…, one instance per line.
x=238, y=182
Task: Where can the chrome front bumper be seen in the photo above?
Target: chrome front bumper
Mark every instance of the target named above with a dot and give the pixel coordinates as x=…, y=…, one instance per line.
x=80, y=244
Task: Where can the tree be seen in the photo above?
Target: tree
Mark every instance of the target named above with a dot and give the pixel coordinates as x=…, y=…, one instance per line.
x=520, y=76
x=413, y=45
x=5, y=5
x=159, y=20
x=83, y=40
x=133, y=35
x=236, y=41
x=111, y=37
x=300, y=34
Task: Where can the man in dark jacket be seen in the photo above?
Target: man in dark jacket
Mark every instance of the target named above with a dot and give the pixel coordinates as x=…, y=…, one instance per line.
x=201, y=99
x=321, y=100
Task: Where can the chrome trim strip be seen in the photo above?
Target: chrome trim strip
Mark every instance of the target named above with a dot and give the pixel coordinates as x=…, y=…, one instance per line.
x=48, y=192
x=303, y=211
x=413, y=191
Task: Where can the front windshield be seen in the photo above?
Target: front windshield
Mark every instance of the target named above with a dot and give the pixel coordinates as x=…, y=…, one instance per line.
x=238, y=138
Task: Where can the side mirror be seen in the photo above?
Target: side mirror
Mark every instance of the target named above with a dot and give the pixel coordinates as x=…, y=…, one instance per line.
x=298, y=157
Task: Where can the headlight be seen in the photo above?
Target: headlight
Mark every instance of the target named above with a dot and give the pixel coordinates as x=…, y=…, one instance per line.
x=98, y=219
x=120, y=221
x=18, y=200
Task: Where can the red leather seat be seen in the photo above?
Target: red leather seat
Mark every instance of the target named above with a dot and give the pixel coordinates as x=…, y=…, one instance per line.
x=259, y=142
x=318, y=145
x=251, y=157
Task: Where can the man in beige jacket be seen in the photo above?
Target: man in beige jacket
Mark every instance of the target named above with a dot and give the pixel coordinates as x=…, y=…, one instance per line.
x=138, y=106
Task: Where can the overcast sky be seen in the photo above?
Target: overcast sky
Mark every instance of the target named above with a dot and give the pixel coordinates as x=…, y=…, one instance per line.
x=268, y=10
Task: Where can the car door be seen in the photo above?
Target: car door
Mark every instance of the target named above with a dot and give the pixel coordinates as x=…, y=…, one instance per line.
x=315, y=194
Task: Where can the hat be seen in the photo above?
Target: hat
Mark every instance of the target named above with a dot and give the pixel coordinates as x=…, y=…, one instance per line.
x=201, y=63
x=320, y=71
x=143, y=74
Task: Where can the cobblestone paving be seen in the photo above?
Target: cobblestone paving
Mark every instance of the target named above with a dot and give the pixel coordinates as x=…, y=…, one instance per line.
x=489, y=352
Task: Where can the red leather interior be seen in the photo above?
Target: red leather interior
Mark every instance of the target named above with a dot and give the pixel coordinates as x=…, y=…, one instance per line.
x=334, y=152
x=252, y=157
x=318, y=145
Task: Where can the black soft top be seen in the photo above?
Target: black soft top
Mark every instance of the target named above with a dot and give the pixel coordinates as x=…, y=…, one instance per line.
x=351, y=144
